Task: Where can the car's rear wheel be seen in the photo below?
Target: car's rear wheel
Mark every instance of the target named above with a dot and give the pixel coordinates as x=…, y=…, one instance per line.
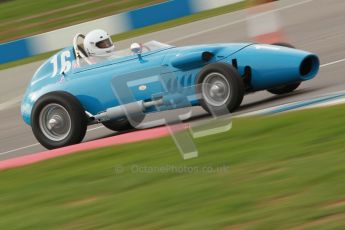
x=220, y=86
x=58, y=120
x=284, y=88
x=284, y=44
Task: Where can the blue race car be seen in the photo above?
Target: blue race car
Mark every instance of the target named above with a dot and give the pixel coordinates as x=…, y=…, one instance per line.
x=72, y=90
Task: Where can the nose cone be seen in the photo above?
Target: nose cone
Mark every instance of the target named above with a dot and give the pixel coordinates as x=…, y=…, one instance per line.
x=274, y=66
x=309, y=67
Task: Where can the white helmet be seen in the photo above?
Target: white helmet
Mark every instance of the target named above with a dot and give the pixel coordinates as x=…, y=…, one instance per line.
x=98, y=43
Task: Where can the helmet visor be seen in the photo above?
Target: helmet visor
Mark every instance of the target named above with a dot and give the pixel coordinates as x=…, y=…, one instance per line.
x=106, y=43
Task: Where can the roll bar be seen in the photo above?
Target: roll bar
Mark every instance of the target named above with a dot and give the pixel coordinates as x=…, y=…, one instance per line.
x=78, y=50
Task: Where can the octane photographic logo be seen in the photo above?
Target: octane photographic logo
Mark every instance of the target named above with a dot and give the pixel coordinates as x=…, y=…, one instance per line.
x=167, y=169
x=129, y=89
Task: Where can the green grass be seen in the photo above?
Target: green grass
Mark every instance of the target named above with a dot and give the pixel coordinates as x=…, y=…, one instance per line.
x=283, y=172
x=20, y=18
x=141, y=31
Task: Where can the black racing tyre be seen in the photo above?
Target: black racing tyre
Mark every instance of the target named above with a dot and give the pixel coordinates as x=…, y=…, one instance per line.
x=285, y=88
x=219, y=85
x=123, y=124
x=284, y=44
x=58, y=120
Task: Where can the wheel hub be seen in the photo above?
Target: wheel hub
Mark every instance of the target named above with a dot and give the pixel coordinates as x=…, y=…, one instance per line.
x=216, y=89
x=55, y=122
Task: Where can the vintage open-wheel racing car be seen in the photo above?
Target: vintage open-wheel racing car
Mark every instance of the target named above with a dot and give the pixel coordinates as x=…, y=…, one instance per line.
x=71, y=90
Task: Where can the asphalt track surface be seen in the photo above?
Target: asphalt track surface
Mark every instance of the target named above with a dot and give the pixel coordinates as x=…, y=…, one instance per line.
x=314, y=25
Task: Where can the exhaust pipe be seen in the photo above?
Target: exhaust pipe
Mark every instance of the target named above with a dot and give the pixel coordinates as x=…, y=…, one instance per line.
x=120, y=111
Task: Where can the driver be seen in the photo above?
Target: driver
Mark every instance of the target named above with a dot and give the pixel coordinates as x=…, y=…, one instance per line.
x=98, y=45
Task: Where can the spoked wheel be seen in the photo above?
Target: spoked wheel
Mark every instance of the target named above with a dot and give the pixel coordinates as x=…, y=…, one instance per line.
x=58, y=120
x=220, y=86
x=284, y=88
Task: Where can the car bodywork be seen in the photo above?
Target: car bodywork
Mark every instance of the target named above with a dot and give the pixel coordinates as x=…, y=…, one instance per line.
x=130, y=77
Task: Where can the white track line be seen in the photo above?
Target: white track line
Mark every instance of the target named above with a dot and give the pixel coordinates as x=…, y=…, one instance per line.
x=237, y=21
x=36, y=144
x=15, y=150
x=98, y=127
x=332, y=63
x=10, y=103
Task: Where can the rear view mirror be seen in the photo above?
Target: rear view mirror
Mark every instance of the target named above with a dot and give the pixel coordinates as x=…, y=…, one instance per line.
x=136, y=48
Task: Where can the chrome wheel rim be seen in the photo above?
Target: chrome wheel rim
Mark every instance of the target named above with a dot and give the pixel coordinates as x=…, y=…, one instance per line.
x=55, y=122
x=216, y=89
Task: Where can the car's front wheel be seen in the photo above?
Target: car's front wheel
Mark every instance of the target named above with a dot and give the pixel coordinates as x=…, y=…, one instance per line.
x=58, y=120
